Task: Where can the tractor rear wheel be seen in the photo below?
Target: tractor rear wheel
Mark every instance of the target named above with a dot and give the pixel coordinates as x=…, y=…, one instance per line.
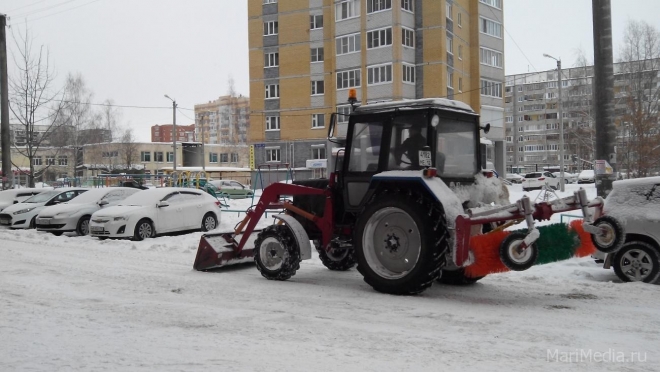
x=276, y=254
x=338, y=258
x=400, y=242
x=457, y=277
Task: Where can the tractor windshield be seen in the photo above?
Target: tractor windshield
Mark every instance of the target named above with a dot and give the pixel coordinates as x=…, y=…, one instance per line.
x=456, y=149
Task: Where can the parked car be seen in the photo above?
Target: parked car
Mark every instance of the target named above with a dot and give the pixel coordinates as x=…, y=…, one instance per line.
x=132, y=183
x=74, y=215
x=536, y=180
x=587, y=176
x=13, y=196
x=157, y=211
x=568, y=177
x=23, y=215
x=514, y=178
x=629, y=241
x=232, y=189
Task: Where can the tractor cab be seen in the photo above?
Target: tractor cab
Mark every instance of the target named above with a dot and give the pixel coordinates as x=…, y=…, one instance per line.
x=405, y=135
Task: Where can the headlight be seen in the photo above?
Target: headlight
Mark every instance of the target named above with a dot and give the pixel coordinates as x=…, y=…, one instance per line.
x=119, y=219
x=24, y=210
x=64, y=214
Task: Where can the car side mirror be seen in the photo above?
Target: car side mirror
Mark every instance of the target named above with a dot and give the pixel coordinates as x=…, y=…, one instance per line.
x=55, y=202
x=103, y=202
x=163, y=204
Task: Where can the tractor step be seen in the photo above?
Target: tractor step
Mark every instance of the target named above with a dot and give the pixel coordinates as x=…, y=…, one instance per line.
x=219, y=249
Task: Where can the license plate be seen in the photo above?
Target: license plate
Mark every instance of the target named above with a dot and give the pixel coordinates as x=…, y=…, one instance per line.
x=96, y=229
x=5, y=222
x=425, y=158
x=43, y=221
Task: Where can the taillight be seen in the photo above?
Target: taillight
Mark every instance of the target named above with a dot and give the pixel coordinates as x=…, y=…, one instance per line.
x=217, y=202
x=541, y=179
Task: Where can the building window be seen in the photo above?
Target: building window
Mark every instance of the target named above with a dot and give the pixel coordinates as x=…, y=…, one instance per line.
x=272, y=91
x=270, y=28
x=213, y=157
x=347, y=9
x=450, y=79
x=224, y=158
x=491, y=57
x=145, y=156
x=490, y=27
x=408, y=37
x=158, y=156
x=408, y=73
x=318, y=152
x=315, y=22
x=460, y=84
x=50, y=160
x=62, y=160
x=460, y=19
x=317, y=55
x=342, y=114
x=407, y=5
x=460, y=52
x=170, y=156
x=494, y=3
x=110, y=154
x=509, y=119
x=272, y=154
x=374, y=6
x=449, y=11
x=379, y=74
x=348, y=44
x=318, y=88
x=491, y=88
x=379, y=38
x=234, y=157
x=270, y=1
x=318, y=120
x=36, y=160
x=271, y=59
x=450, y=45
x=348, y=79
x=272, y=123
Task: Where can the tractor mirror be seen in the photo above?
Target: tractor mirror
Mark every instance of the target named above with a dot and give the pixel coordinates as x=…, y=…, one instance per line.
x=485, y=128
x=331, y=127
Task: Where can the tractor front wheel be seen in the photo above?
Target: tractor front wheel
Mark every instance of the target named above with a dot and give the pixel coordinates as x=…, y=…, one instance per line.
x=611, y=234
x=276, y=254
x=400, y=242
x=513, y=256
x=337, y=258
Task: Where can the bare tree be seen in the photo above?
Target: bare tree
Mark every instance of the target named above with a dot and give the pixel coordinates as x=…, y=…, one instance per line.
x=109, y=118
x=34, y=101
x=637, y=85
x=129, y=149
x=581, y=132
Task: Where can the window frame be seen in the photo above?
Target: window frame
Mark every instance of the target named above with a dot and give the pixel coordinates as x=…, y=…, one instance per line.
x=146, y=158
x=271, y=59
x=268, y=91
x=271, y=31
x=387, y=36
x=315, y=121
x=483, y=21
x=371, y=3
x=411, y=72
x=315, y=87
x=272, y=120
x=411, y=5
x=313, y=24
x=316, y=57
x=405, y=37
x=270, y=151
x=352, y=7
x=371, y=76
x=357, y=44
x=357, y=78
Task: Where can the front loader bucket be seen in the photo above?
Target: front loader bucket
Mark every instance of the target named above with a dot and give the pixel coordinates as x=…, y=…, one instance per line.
x=220, y=249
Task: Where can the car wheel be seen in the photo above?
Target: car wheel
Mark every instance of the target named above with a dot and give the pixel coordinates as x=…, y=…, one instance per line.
x=33, y=223
x=83, y=226
x=143, y=229
x=637, y=262
x=209, y=222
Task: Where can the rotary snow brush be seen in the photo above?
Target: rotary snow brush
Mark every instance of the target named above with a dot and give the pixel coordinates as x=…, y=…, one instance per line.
x=557, y=242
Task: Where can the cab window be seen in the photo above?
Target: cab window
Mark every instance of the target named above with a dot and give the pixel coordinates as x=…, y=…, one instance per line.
x=365, y=149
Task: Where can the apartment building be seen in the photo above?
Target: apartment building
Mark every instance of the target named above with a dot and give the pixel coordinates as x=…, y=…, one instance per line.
x=225, y=120
x=533, y=123
x=306, y=55
x=163, y=133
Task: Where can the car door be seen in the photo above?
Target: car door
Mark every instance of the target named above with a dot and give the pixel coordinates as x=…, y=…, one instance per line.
x=170, y=218
x=192, y=204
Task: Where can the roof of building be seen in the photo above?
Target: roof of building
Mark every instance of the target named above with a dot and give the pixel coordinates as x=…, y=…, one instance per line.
x=416, y=103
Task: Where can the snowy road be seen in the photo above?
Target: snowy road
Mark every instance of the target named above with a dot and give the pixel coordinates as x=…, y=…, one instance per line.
x=76, y=303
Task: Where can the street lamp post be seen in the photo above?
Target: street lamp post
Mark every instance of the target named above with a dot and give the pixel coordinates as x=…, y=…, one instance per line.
x=561, y=124
x=174, y=132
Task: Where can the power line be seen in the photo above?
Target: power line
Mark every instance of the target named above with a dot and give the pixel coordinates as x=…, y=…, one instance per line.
x=25, y=6
x=31, y=12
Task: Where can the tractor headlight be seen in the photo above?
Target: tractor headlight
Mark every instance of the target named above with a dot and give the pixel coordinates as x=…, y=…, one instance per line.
x=24, y=210
x=119, y=219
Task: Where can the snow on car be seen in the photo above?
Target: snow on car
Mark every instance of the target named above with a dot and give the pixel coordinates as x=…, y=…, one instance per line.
x=586, y=176
x=514, y=178
x=13, y=196
x=74, y=215
x=536, y=180
x=152, y=212
x=23, y=215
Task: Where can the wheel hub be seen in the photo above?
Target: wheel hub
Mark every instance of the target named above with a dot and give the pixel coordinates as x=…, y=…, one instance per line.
x=392, y=243
x=272, y=253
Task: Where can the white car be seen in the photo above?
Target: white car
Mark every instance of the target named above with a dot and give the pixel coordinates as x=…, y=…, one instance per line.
x=23, y=215
x=587, y=176
x=13, y=196
x=157, y=211
x=536, y=180
x=514, y=178
x=568, y=177
x=232, y=189
x=75, y=214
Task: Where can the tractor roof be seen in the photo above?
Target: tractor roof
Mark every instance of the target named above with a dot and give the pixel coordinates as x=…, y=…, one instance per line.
x=440, y=103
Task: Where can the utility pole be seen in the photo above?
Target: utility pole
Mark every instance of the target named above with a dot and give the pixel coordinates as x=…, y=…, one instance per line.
x=604, y=93
x=174, y=132
x=560, y=115
x=5, y=140
x=203, y=138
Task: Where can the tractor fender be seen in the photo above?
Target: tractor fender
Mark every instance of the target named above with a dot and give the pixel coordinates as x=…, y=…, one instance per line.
x=302, y=239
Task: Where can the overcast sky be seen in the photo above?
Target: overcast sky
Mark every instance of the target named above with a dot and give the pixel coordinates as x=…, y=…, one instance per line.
x=135, y=51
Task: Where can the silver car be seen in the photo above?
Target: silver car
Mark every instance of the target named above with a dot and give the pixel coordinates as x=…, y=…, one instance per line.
x=75, y=214
x=629, y=238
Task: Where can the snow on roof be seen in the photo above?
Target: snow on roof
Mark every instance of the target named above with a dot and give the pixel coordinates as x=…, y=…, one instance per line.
x=637, y=182
x=435, y=102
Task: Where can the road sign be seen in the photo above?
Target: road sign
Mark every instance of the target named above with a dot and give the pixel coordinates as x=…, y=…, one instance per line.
x=603, y=167
x=258, y=145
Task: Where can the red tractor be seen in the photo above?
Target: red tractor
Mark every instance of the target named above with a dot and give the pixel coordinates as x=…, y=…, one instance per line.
x=405, y=194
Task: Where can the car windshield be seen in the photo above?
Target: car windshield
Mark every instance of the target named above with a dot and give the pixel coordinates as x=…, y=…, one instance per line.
x=587, y=173
x=43, y=197
x=91, y=196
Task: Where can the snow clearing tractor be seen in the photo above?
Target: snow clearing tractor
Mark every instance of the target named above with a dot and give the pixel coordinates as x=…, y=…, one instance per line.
x=405, y=194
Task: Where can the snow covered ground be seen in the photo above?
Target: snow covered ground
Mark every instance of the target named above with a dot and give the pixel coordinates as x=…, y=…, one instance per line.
x=77, y=303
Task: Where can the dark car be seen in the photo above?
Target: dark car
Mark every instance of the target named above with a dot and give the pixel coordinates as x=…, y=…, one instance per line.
x=132, y=183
